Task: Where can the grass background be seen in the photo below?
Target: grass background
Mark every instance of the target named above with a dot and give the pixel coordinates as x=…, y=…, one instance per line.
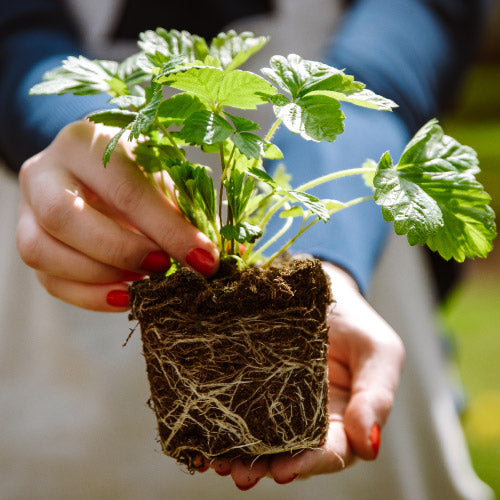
x=472, y=312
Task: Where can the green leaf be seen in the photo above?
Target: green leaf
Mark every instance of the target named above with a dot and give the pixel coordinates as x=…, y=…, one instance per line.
x=233, y=49
x=78, y=75
x=242, y=124
x=176, y=109
x=204, y=127
x=433, y=197
x=112, y=145
x=147, y=114
x=262, y=176
x=370, y=166
x=313, y=204
x=128, y=101
x=203, y=81
x=316, y=118
x=365, y=98
x=251, y=145
x=154, y=157
x=113, y=117
x=244, y=90
x=242, y=232
x=162, y=45
x=299, y=76
x=239, y=189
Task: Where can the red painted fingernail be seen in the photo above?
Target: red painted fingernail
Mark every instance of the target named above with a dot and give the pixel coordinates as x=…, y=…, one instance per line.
x=203, y=468
x=201, y=260
x=246, y=487
x=131, y=276
x=286, y=481
x=375, y=438
x=156, y=262
x=118, y=298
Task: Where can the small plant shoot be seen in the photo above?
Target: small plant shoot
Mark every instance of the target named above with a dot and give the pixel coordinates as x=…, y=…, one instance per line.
x=237, y=363
x=431, y=193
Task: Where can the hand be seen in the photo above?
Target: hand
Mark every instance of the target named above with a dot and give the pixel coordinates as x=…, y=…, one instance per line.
x=365, y=359
x=88, y=230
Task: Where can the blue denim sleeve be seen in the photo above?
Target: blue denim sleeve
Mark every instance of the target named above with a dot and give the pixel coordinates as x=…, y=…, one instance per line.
x=35, y=35
x=412, y=51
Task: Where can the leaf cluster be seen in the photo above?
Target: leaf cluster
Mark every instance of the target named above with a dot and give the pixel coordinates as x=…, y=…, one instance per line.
x=180, y=92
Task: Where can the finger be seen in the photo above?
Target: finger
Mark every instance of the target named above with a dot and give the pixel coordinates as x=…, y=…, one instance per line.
x=42, y=252
x=56, y=202
x=333, y=456
x=247, y=474
x=375, y=375
x=110, y=297
x=222, y=466
x=124, y=186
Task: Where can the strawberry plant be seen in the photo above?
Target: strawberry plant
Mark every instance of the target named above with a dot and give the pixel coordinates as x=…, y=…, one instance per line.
x=180, y=92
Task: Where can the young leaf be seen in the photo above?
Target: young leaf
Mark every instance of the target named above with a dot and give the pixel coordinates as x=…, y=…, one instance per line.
x=112, y=145
x=251, y=145
x=239, y=189
x=128, y=101
x=244, y=90
x=162, y=45
x=433, y=197
x=233, y=49
x=204, y=127
x=147, y=114
x=365, y=98
x=176, y=109
x=113, y=117
x=313, y=204
x=203, y=81
x=79, y=76
x=154, y=157
x=242, y=232
x=242, y=124
x=299, y=76
x=315, y=118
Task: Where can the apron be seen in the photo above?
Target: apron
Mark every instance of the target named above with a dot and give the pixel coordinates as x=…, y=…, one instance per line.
x=74, y=421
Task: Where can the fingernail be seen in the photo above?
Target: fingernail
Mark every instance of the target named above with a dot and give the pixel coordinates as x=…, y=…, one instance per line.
x=203, y=468
x=375, y=438
x=131, y=276
x=201, y=260
x=118, y=298
x=156, y=262
x=286, y=481
x=246, y=487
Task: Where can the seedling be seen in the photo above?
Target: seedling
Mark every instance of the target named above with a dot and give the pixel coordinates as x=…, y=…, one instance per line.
x=431, y=193
x=237, y=363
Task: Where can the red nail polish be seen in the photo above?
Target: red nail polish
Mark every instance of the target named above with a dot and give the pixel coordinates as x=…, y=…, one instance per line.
x=131, y=276
x=246, y=487
x=156, y=262
x=286, y=481
x=201, y=260
x=203, y=468
x=375, y=438
x=118, y=298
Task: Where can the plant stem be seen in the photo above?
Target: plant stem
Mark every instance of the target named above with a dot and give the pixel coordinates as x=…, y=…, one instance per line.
x=270, y=241
x=168, y=135
x=272, y=130
x=335, y=175
x=303, y=228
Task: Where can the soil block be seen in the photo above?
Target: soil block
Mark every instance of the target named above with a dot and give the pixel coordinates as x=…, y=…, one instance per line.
x=237, y=363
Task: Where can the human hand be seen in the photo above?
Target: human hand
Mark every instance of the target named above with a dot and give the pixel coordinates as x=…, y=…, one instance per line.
x=89, y=230
x=365, y=359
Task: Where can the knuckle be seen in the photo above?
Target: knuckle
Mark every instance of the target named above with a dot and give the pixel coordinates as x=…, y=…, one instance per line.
x=127, y=195
x=52, y=212
x=29, y=246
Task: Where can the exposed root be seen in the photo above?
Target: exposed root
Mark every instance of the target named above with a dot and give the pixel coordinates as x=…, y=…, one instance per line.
x=237, y=366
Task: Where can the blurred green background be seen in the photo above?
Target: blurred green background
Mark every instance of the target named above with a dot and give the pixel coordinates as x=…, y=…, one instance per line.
x=472, y=312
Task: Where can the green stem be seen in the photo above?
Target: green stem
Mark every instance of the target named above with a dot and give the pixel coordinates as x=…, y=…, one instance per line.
x=303, y=228
x=335, y=175
x=268, y=243
x=272, y=130
x=167, y=134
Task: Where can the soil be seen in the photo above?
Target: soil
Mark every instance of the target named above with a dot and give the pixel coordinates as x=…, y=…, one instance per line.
x=237, y=363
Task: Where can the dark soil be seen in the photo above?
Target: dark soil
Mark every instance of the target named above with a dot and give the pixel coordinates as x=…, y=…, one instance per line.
x=237, y=364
